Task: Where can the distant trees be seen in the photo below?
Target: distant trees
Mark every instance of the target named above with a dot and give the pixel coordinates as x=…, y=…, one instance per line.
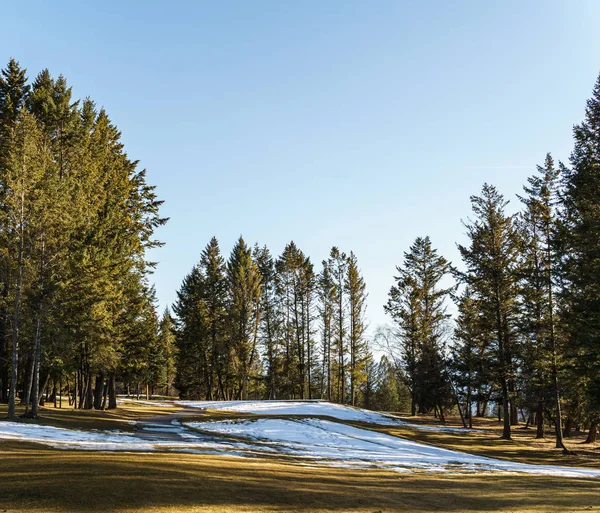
x=76, y=218
x=261, y=338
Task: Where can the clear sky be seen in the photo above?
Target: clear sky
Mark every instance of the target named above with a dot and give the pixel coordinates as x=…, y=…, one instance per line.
x=356, y=124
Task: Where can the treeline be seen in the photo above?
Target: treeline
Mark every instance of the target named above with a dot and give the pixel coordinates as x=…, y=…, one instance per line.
x=256, y=326
x=77, y=311
x=527, y=334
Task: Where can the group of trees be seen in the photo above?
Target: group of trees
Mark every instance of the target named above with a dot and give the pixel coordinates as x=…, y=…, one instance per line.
x=255, y=326
x=77, y=311
x=78, y=316
x=527, y=334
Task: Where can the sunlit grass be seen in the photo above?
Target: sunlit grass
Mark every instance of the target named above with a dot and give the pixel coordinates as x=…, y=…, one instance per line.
x=121, y=418
x=34, y=478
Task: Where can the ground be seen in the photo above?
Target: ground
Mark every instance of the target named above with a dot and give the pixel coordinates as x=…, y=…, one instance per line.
x=36, y=478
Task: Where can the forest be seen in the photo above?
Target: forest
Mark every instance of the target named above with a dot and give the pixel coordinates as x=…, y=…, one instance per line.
x=78, y=314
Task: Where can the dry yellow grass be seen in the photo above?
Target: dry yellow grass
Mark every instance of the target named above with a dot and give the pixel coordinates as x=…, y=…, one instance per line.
x=484, y=441
x=523, y=448
x=35, y=479
x=67, y=417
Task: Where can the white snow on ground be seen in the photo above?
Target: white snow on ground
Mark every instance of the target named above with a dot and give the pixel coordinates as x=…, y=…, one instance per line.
x=308, y=439
x=304, y=408
x=343, y=445
x=312, y=408
x=72, y=438
x=61, y=438
x=125, y=400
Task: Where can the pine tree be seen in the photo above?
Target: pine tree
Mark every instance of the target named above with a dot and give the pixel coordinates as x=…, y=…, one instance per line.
x=470, y=355
x=338, y=264
x=244, y=313
x=581, y=271
x=192, y=336
x=540, y=270
x=417, y=306
x=296, y=283
x=24, y=167
x=491, y=261
x=326, y=295
x=166, y=338
x=357, y=296
x=271, y=323
x=76, y=218
x=212, y=266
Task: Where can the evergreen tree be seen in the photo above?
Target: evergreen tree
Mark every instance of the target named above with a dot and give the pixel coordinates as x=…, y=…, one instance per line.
x=417, y=306
x=338, y=264
x=212, y=265
x=492, y=274
x=357, y=296
x=470, y=356
x=192, y=336
x=244, y=314
x=271, y=323
x=581, y=271
x=327, y=296
x=540, y=278
x=166, y=338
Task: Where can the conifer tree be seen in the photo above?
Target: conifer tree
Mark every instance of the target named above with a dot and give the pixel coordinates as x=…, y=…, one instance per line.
x=24, y=166
x=492, y=274
x=192, y=336
x=212, y=266
x=326, y=294
x=357, y=296
x=271, y=322
x=581, y=272
x=166, y=338
x=338, y=264
x=244, y=313
x=470, y=354
x=417, y=306
x=540, y=278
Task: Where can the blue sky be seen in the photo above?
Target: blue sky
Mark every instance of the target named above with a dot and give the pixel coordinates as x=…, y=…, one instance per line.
x=356, y=124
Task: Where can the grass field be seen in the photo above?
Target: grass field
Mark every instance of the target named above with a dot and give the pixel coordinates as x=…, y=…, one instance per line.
x=35, y=479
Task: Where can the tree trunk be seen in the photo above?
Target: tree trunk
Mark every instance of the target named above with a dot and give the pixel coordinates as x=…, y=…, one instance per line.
x=99, y=391
x=592, y=433
x=112, y=392
x=38, y=357
x=89, y=392
x=540, y=420
x=506, y=428
x=104, y=396
x=4, y=331
x=16, y=320
x=568, y=428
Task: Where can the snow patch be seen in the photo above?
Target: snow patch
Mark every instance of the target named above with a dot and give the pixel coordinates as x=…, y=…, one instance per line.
x=314, y=409
x=342, y=445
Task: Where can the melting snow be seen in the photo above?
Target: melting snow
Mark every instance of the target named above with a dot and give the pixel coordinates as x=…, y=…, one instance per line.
x=340, y=444
x=308, y=439
x=312, y=408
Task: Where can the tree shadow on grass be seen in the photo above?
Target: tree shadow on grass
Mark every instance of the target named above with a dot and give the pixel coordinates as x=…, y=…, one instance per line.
x=34, y=479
